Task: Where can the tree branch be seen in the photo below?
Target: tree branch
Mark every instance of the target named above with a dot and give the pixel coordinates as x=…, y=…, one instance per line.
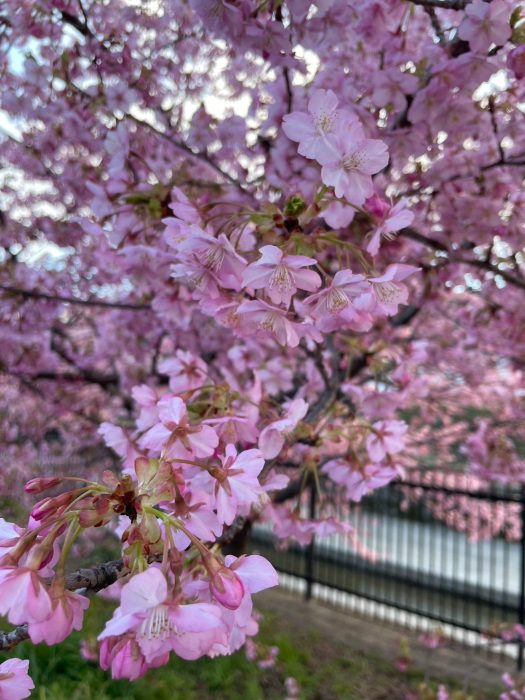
x=430, y=242
x=199, y=155
x=103, y=380
x=76, y=23
x=8, y=640
x=443, y=4
x=33, y=294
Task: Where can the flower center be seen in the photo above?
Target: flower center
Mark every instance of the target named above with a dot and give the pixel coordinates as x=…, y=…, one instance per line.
x=214, y=258
x=324, y=121
x=337, y=300
x=281, y=278
x=157, y=624
x=269, y=323
x=387, y=292
x=352, y=162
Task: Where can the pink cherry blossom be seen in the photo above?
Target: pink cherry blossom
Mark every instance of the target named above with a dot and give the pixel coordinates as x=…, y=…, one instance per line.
x=146, y=398
x=23, y=596
x=313, y=129
x=234, y=429
x=352, y=161
x=333, y=306
x=67, y=613
x=281, y=275
x=272, y=437
x=186, y=372
x=227, y=588
x=15, y=682
x=387, y=292
x=116, y=438
x=125, y=659
x=264, y=319
x=159, y=623
x=256, y=572
x=485, y=24
x=338, y=215
x=359, y=482
x=193, y=508
x=235, y=484
x=394, y=219
x=387, y=437
x=184, y=439
x=391, y=87
x=215, y=254
x=516, y=61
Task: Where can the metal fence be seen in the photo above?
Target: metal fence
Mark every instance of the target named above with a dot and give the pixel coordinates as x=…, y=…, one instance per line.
x=408, y=559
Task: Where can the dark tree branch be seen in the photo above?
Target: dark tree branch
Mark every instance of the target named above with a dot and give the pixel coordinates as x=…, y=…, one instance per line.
x=436, y=26
x=89, y=376
x=454, y=259
x=97, y=577
x=443, y=4
x=8, y=640
x=76, y=23
x=33, y=294
x=289, y=93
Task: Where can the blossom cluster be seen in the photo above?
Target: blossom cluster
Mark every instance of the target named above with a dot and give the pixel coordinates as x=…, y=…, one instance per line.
x=266, y=297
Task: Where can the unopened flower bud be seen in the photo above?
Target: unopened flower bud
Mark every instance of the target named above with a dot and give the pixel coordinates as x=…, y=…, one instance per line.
x=40, y=555
x=41, y=484
x=227, y=588
x=53, y=504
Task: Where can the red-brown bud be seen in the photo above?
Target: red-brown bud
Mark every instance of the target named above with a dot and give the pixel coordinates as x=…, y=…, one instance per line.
x=42, y=483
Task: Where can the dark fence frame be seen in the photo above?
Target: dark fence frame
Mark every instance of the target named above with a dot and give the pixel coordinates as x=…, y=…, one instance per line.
x=469, y=605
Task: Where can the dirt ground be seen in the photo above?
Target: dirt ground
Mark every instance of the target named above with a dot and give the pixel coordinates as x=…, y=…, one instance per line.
x=353, y=634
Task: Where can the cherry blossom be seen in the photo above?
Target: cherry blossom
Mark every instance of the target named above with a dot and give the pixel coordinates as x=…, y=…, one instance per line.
x=485, y=24
x=391, y=220
x=264, y=319
x=272, y=438
x=349, y=165
x=281, y=275
x=23, y=596
x=333, y=306
x=67, y=612
x=314, y=129
x=387, y=292
x=175, y=427
x=159, y=624
x=387, y=437
x=15, y=683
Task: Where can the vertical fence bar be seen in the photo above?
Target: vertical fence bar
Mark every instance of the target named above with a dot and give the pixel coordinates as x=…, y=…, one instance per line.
x=309, y=552
x=521, y=602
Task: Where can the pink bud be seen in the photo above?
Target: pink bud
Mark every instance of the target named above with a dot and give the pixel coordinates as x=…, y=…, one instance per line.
x=41, y=484
x=227, y=588
x=377, y=206
x=516, y=61
x=50, y=505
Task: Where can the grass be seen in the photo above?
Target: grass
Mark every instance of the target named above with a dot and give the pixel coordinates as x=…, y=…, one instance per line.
x=322, y=669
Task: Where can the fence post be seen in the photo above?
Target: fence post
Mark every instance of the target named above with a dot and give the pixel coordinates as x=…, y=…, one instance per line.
x=309, y=552
x=521, y=606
